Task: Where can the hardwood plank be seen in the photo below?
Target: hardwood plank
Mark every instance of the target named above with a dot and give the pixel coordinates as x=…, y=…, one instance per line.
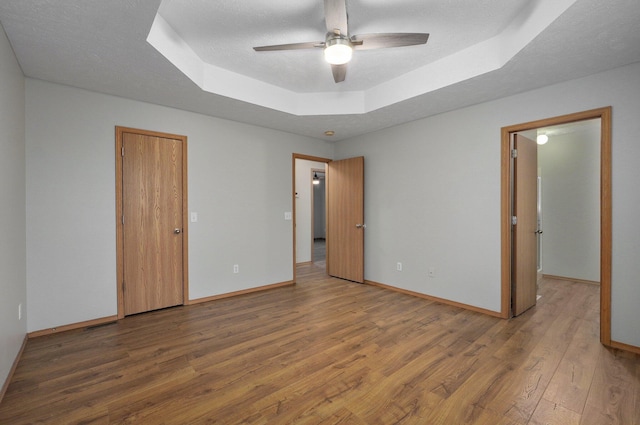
x=523, y=393
x=613, y=395
x=328, y=351
x=466, y=404
x=342, y=416
x=571, y=382
x=549, y=413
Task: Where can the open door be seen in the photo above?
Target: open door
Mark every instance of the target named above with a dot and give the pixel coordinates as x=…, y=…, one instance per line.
x=345, y=219
x=507, y=251
x=525, y=211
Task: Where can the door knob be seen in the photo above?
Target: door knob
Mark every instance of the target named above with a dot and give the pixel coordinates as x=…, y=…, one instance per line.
x=360, y=226
x=176, y=231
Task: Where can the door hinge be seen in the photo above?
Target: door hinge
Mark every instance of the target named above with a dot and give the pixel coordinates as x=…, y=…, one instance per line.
x=122, y=151
x=123, y=220
x=514, y=220
x=123, y=286
x=514, y=153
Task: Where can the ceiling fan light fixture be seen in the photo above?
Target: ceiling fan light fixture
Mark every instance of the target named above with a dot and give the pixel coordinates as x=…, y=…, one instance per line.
x=338, y=46
x=338, y=50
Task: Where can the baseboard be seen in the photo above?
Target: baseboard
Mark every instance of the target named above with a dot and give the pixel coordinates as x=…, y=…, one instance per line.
x=436, y=299
x=5, y=386
x=109, y=319
x=243, y=292
x=570, y=279
x=625, y=347
x=72, y=326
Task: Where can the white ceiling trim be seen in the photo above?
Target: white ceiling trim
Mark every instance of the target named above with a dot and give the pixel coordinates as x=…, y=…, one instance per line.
x=223, y=82
x=481, y=58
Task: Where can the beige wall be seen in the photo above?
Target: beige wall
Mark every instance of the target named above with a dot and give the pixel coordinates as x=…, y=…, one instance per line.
x=432, y=194
x=13, y=288
x=432, y=197
x=240, y=180
x=570, y=171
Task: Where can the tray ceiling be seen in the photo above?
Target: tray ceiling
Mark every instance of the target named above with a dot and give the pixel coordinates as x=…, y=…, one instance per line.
x=197, y=55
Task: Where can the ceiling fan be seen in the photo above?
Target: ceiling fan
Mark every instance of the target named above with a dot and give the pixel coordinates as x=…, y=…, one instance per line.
x=338, y=45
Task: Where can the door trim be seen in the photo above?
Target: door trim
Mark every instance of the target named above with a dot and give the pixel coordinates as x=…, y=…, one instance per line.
x=295, y=156
x=605, y=209
x=119, y=202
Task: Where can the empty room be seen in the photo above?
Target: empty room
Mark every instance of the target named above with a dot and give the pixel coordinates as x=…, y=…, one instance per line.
x=320, y=212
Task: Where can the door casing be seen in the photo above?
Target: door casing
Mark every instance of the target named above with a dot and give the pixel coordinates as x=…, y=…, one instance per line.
x=605, y=209
x=293, y=197
x=120, y=131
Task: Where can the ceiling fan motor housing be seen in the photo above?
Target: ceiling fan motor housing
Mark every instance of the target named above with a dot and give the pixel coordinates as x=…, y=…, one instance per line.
x=338, y=49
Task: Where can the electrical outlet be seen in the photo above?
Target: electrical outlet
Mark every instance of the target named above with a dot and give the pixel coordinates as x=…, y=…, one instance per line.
x=236, y=268
x=399, y=267
x=20, y=311
x=432, y=272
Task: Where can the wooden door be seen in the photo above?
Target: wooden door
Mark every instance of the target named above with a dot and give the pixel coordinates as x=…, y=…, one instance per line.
x=524, y=267
x=345, y=219
x=152, y=222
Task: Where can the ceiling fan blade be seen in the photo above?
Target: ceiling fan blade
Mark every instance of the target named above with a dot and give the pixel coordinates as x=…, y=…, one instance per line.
x=335, y=16
x=384, y=40
x=339, y=72
x=292, y=46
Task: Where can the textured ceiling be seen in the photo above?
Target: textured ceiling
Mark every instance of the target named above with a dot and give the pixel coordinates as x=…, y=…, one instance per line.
x=102, y=46
x=223, y=34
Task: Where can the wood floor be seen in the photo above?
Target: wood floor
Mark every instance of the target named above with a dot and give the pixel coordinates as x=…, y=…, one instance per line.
x=332, y=352
x=320, y=253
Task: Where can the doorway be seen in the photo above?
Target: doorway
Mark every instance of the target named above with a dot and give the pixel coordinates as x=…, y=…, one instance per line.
x=304, y=204
x=318, y=218
x=569, y=233
x=507, y=178
x=344, y=214
x=151, y=211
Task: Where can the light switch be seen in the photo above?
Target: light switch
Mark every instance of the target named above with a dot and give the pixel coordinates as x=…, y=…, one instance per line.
x=287, y=215
x=194, y=217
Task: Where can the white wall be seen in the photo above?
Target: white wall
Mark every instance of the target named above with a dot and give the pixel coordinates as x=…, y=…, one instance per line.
x=320, y=208
x=432, y=194
x=570, y=171
x=13, y=288
x=239, y=184
x=432, y=197
x=304, y=202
